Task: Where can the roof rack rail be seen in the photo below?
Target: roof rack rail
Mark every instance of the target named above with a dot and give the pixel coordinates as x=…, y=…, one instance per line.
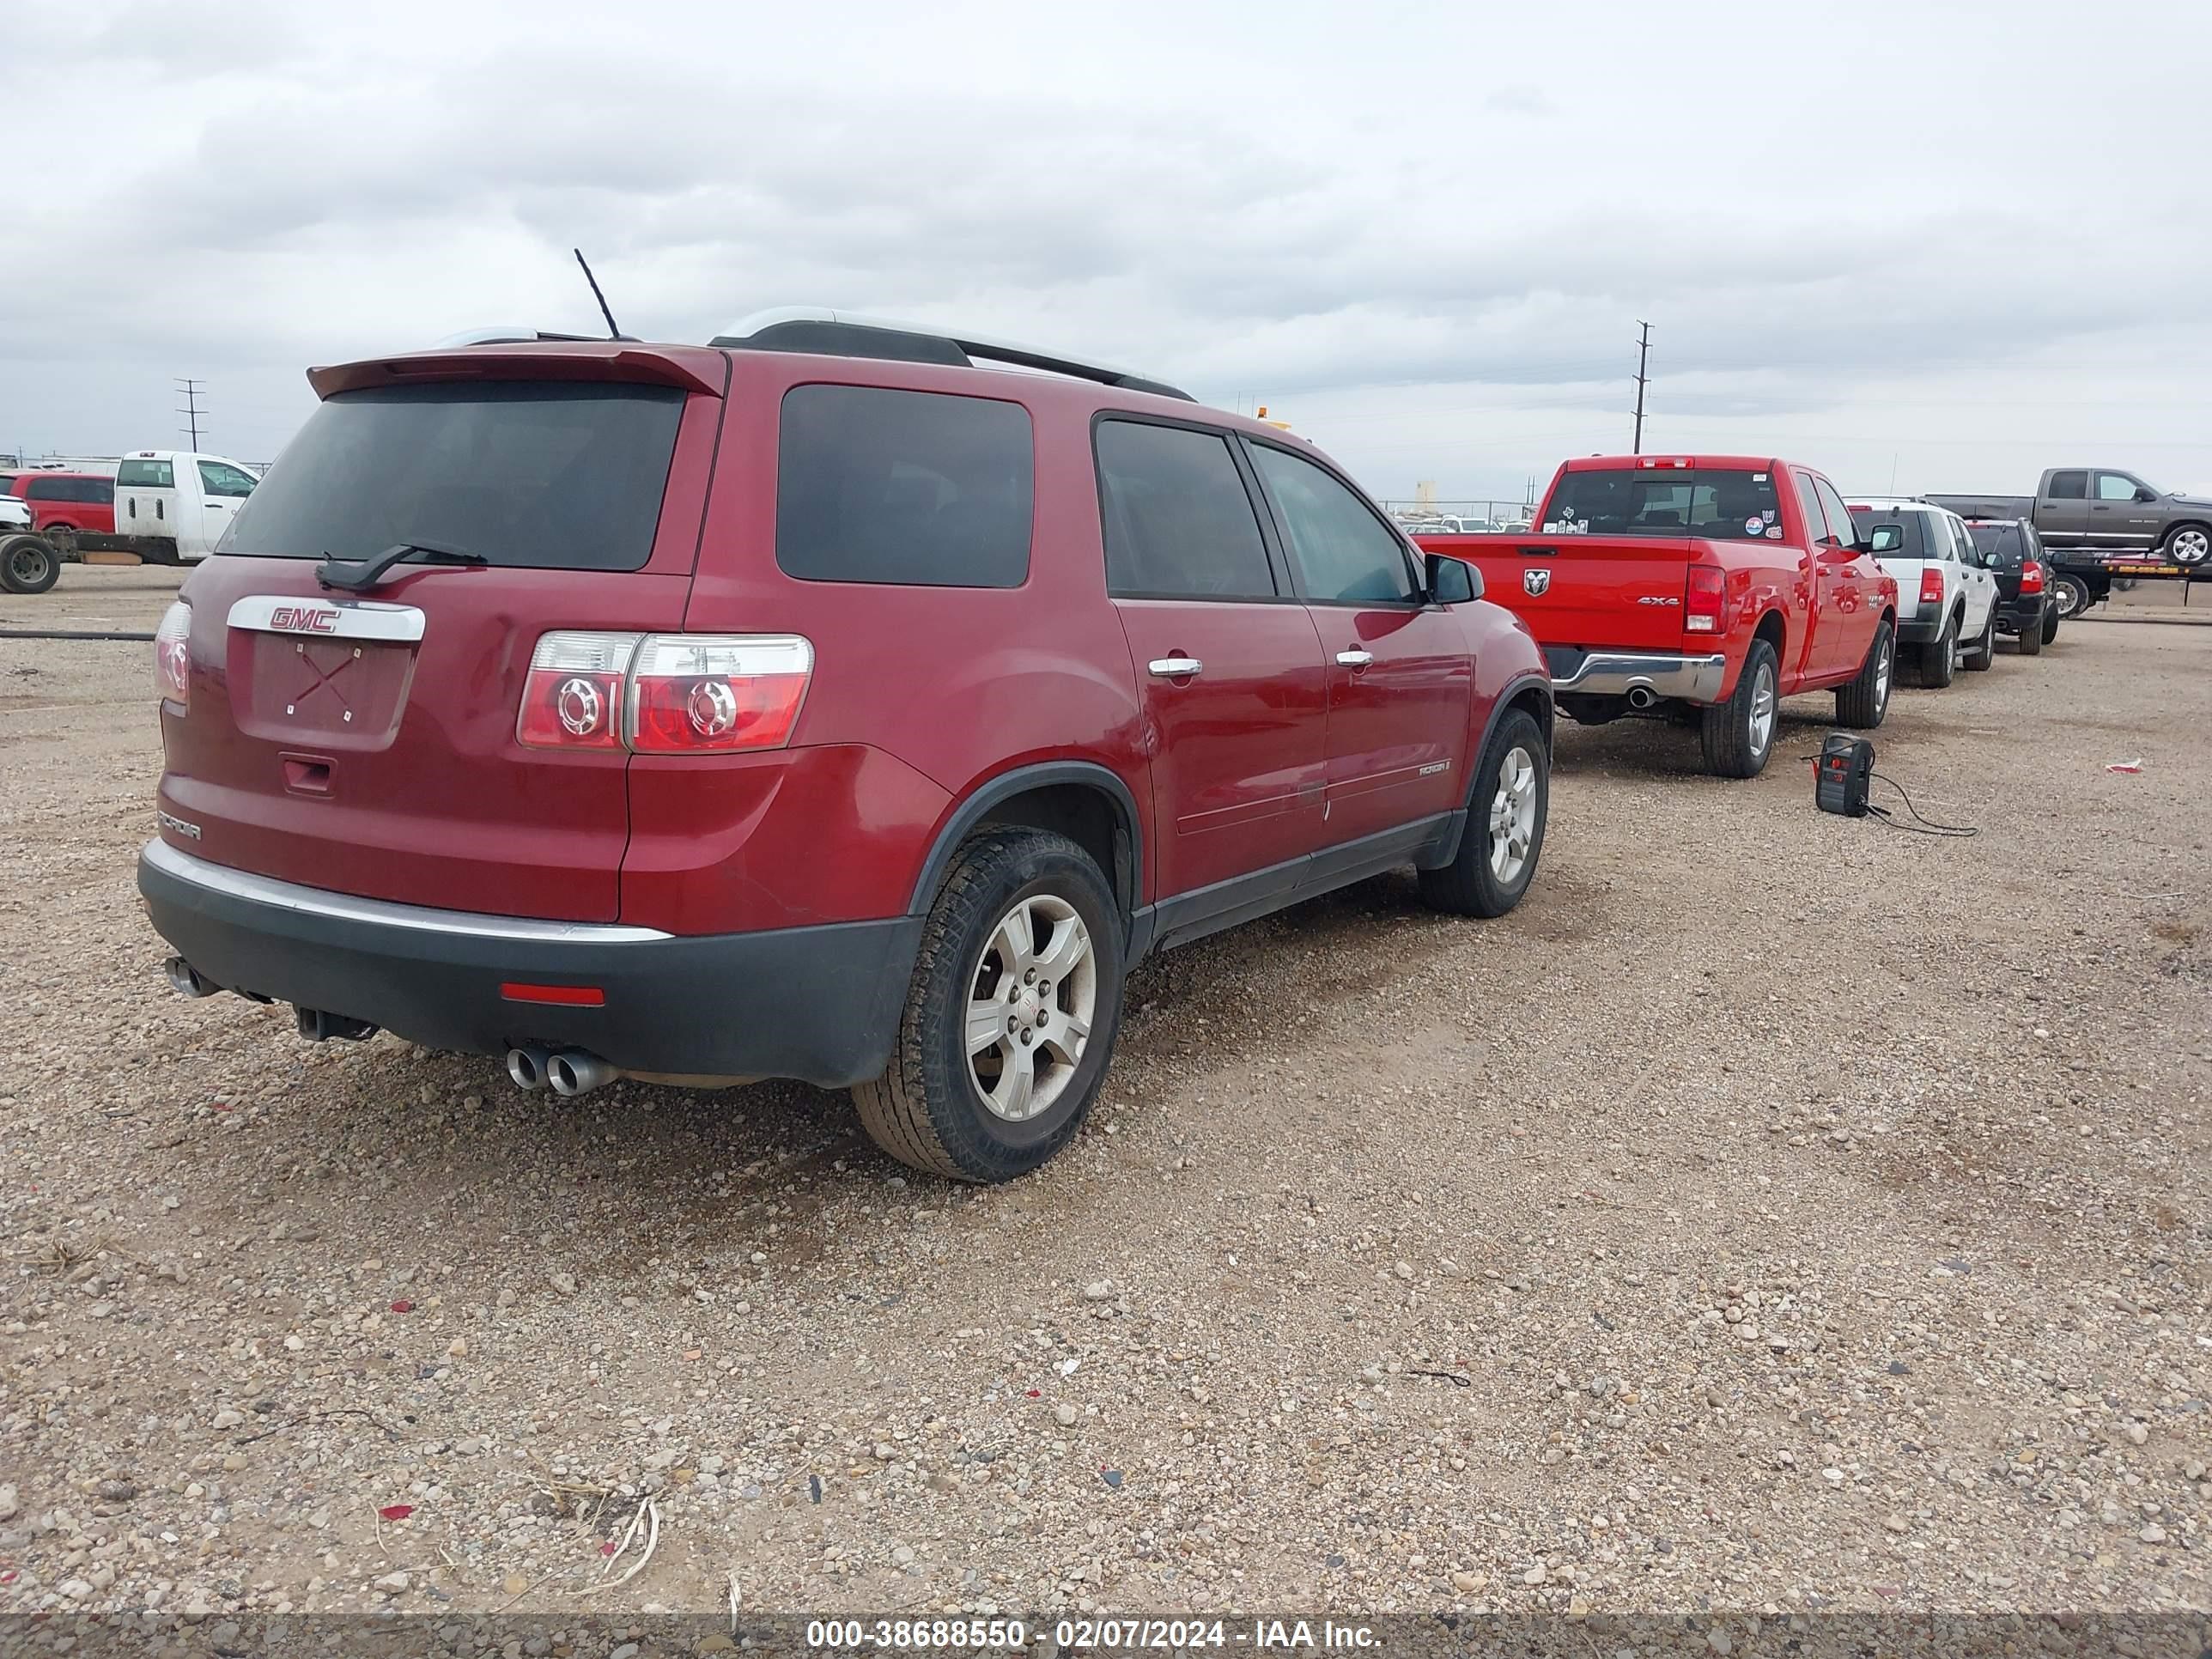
x=515, y=336
x=850, y=334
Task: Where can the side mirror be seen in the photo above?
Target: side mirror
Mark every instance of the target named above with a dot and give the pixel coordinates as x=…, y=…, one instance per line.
x=1453, y=582
x=1885, y=538
x=2143, y=495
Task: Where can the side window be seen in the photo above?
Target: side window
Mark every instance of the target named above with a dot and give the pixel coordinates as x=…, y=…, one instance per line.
x=1343, y=549
x=221, y=478
x=920, y=489
x=44, y=489
x=1178, y=520
x=1809, y=504
x=1838, y=515
x=2069, y=486
x=2115, y=487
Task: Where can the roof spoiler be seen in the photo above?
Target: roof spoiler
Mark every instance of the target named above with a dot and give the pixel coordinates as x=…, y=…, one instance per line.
x=850, y=334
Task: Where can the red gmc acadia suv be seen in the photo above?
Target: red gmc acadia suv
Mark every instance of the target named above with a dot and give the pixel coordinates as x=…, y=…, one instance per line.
x=818, y=704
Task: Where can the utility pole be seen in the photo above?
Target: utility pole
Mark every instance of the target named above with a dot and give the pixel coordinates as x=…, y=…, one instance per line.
x=191, y=391
x=1643, y=353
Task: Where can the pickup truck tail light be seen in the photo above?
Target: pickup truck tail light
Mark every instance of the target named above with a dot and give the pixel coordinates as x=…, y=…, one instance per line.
x=2031, y=577
x=1931, y=585
x=173, y=655
x=1703, y=601
x=664, y=693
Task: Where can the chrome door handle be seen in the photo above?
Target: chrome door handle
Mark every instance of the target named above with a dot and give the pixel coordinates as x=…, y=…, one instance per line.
x=1176, y=668
x=1354, y=659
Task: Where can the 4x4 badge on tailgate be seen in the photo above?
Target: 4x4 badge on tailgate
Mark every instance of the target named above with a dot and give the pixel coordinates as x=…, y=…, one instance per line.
x=1534, y=582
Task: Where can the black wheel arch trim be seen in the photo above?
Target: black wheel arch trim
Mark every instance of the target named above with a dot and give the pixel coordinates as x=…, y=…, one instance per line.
x=1445, y=848
x=976, y=807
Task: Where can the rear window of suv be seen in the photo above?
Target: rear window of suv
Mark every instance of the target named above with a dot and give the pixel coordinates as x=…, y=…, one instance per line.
x=2003, y=539
x=1720, y=504
x=918, y=489
x=549, y=475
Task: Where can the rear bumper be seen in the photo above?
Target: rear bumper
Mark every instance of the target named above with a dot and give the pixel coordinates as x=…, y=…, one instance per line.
x=818, y=1004
x=2022, y=616
x=1920, y=631
x=1617, y=673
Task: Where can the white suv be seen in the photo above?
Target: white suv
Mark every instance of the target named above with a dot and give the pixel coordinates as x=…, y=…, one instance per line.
x=1947, y=603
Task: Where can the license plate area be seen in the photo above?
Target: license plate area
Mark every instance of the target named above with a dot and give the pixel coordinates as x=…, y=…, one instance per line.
x=334, y=674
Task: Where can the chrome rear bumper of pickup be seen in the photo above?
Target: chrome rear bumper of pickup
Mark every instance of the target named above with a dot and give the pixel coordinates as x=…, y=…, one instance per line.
x=1616, y=674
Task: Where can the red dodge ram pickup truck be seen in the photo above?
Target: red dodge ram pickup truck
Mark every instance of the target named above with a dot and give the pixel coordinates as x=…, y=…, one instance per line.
x=1714, y=583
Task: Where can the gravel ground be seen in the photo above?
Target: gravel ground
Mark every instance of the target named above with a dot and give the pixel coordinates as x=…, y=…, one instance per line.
x=1775, y=1212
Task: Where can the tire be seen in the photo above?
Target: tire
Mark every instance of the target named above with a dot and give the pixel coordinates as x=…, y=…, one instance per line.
x=2187, y=545
x=929, y=1109
x=2050, y=624
x=1983, y=650
x=28, y=564
x=1738, y=736
x=1865, y=703
x=1939, y=658
x=1504, y=835
x=2069, y=595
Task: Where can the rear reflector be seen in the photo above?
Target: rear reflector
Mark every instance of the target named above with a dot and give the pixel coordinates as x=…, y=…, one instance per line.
x=1704, y=599
x=2031, y=577
x=566, y=996
x=1931, y=585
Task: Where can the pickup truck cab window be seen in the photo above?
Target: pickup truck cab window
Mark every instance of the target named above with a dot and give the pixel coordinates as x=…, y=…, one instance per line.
x=2069, y=486
x=1838, y=516
x=146, y=475
x=1722, y=503
x=2119, y=487
x=221, y=478
x=1345, y=553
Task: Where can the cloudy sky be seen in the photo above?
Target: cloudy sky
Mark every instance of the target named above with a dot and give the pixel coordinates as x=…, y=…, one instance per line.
x=1932, y=244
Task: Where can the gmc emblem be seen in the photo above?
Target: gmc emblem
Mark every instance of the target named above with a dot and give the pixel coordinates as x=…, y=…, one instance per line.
x=304, y=619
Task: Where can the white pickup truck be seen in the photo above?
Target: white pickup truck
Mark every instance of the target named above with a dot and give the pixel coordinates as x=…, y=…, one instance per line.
x=1947, y=603
x=172, y=506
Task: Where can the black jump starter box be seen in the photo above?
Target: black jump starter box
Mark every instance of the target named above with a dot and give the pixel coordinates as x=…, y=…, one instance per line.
x=1840, y=776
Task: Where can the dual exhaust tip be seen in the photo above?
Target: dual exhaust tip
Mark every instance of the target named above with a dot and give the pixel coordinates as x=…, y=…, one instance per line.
x=567, y=1072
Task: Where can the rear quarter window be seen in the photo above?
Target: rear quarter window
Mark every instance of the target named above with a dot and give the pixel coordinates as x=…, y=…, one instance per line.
x=146, y=475
x=538, y=474
x=914, y=489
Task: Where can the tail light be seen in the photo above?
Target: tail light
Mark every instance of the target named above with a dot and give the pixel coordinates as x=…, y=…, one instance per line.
x=1931, y=585
x=697, y=693
x=2031, y=577
x=664, y=693
x=573, y=696
x=1704, y=599
x=173, y=655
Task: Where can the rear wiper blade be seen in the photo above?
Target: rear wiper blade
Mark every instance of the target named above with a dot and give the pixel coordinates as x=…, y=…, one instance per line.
x=358, y=576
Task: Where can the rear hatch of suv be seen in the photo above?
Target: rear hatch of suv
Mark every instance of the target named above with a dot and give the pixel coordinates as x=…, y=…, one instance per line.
x=368, y=742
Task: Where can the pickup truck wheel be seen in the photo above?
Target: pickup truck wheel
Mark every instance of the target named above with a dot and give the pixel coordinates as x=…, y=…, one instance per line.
x=28, y=564
x=2187, y=544
x=1011, y=1017
x=1939, y=658
x=1983, y=650
x=1738, y=735
x=2070, y=595
x=1504, y=833
x=1862, y=703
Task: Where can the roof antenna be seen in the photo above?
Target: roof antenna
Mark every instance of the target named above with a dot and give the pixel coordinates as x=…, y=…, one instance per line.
x=613, y=333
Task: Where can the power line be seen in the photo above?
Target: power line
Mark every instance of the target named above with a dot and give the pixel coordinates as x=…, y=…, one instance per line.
x=191, y=390
x=1643, y=353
